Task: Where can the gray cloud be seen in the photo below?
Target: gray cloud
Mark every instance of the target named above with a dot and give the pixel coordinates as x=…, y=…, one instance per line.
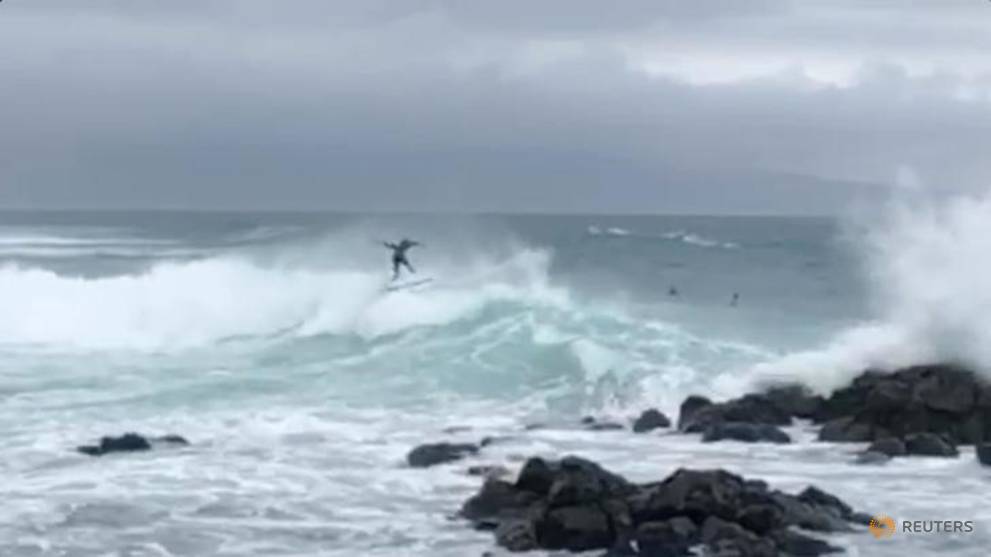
x=484, y=106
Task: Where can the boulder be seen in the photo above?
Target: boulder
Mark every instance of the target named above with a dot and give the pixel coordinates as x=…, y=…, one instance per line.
x=498, y=499
x=943, y=399
x=171, y=439
x=872, y=457
x=517, y=535
x=432, y=454
x=748, y=433
x=689, y=408
x=795, y=544
x=795, y=400
x=695, y=494
x=488, y=471
x=929, y=444
x=650, y=420
x=668, y=537
x=751, y=408
x=130, y=442
x=576, y=505
x=983, y=451
x=537, y=476
x=575, y=528
x=715, y=529
x=889, y=446
x=760, y=518
x=816, y=497
x=846, y=430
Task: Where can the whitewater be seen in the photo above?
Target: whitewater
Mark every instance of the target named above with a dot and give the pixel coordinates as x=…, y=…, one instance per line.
x=269, y=342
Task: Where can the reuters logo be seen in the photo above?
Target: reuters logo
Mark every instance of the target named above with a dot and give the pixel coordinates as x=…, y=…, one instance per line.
x=882, y=527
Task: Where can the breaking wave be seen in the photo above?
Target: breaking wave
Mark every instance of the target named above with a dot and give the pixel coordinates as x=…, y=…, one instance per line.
x=930, y=277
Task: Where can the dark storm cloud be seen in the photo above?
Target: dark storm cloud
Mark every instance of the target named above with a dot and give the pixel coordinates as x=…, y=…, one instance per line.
x=482, y=106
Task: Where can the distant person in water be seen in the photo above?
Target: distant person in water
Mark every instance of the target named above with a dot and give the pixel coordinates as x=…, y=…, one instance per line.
x=672, y=291
x=399, y=256
x=735, y=300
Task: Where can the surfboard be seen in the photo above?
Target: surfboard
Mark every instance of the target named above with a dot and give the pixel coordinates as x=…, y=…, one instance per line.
x=395, y=287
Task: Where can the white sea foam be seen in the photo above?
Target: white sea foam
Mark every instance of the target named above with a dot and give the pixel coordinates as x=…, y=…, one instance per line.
x=930, y=278
x=201, y=302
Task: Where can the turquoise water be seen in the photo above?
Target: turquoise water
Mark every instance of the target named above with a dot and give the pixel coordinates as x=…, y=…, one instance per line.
x=269, y=342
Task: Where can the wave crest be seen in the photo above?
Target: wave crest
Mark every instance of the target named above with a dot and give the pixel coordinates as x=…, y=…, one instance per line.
x=188, y=304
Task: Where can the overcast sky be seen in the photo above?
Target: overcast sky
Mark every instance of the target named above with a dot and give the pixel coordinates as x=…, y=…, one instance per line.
x=702, y=106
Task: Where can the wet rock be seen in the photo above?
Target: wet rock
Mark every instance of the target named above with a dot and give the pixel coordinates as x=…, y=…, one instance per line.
x=537, y=476
x=752, y=408
x=576, y=505
x=947, y=389
x=433, y=454
x=575, y=528
x=889, y=446
x=575, y=488
x=760, y=519
x=516, y=535
x=650, y=420
x=489, y=471
x=715, y=529
x=668, y=537
x=872, y=457
x=984, y=453
x=172, y=439
x=748, y=433
x=795, y=400
x=775, y=407
x=593, y=424
x=741, y=548
x=689, y=408
x=611, y=484
x=942, y=399
x=845, y=430
x=929, y=444
x=816, y=497
x=695, y=494
x=809, y=516
x=130, y=442
x=497, y=499
x=799, y=545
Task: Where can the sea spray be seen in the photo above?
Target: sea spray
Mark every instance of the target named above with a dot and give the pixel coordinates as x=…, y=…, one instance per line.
x=930, y=283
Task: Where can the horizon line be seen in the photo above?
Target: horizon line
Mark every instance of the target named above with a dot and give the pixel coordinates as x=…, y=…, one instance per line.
x=405, y=212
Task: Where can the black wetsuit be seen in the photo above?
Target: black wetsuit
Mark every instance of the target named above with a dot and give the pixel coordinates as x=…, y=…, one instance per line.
x=399, y=256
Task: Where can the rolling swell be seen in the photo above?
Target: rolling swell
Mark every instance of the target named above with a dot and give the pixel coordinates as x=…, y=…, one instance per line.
x=497, y=327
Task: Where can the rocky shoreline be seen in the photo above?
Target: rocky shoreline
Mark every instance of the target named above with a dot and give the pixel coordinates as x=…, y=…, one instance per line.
x=574, y=504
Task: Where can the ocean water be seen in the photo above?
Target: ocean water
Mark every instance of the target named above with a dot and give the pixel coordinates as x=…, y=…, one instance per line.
x=267, y=340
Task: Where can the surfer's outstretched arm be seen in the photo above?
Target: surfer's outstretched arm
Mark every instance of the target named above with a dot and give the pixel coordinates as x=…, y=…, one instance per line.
x=389, y=245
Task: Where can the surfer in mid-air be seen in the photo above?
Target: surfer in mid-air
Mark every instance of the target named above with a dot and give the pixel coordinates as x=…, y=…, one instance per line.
x=399, y=256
